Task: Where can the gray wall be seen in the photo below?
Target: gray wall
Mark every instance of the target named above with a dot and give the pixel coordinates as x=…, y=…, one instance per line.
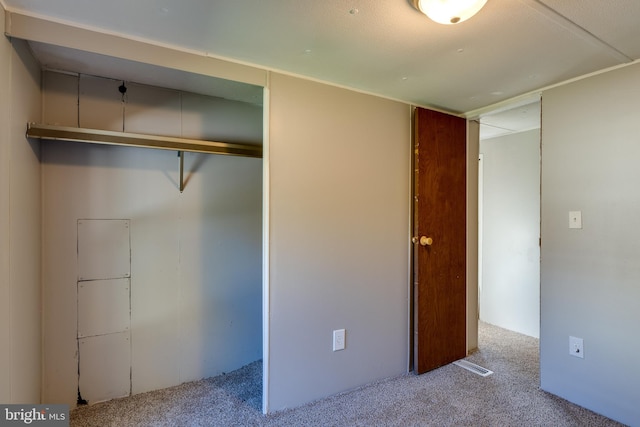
x=510, y=296
x=339, y=248
x=20, y=232
x=196, y=256
x=590, y=277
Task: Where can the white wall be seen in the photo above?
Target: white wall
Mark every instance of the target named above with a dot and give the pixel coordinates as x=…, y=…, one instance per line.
x=339, y=239
x=590, y=277
x=510, y=296
x=196, y=257
x=20, y=297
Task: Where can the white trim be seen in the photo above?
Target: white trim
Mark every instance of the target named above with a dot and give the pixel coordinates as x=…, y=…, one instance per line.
x=472, y=151
x=265, y=248
x=480, y=225
x=507, y=104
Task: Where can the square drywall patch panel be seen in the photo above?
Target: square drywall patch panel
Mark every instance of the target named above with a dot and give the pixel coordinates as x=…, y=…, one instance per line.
x=103, y=307
x=104, y=367
x=103, y=249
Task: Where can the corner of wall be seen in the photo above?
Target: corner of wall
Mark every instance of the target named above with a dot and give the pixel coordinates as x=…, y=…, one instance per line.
x=24, y=221
x=5, y=225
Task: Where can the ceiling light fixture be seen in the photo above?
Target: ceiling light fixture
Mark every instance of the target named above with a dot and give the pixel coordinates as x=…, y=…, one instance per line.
x=449, y=11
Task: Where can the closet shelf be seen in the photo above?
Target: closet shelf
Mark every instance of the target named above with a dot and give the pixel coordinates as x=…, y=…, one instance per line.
x=97, y=136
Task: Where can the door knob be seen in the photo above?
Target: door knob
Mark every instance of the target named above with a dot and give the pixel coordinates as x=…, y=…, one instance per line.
x=426, y=241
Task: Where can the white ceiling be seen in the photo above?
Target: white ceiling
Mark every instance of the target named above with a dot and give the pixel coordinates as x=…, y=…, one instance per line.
x=385, y=47
x=511, y=119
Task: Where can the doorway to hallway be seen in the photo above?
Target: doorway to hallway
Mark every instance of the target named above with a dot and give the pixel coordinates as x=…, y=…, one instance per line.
x=509, y=219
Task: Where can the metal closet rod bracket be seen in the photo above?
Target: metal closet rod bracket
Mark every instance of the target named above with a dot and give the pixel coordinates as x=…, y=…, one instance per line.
x=181, y=155
x=98, y=136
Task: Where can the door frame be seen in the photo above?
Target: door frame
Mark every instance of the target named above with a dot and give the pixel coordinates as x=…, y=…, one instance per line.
x=473, y=151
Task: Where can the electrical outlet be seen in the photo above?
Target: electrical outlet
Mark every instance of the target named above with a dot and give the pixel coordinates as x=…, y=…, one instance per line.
x=575, y=219
x=338, y=339
x=576, y=347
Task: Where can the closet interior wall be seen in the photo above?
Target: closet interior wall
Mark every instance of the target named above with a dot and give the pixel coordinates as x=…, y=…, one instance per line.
x=195, y=278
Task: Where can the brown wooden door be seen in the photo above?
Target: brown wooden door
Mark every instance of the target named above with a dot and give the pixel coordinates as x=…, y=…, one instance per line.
x=440, y=221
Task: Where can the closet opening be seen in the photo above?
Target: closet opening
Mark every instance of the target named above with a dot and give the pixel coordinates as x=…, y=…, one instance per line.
x=145, y=286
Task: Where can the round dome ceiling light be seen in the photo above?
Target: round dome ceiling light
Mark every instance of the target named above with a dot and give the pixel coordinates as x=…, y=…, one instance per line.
x=449, y=11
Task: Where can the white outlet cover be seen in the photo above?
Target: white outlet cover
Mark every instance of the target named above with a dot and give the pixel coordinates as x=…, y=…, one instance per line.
x=576, y=347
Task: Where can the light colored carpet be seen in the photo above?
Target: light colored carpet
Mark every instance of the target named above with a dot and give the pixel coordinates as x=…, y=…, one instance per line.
x=449, y=396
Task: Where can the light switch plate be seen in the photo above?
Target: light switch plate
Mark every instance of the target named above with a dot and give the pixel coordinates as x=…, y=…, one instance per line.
x=338, y=339
x=575, y=219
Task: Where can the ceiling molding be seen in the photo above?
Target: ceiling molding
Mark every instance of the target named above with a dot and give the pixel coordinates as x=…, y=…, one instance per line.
x=507, y=104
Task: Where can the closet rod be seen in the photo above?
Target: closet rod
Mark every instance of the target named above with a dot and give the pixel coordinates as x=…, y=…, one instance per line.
x=97, y=136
